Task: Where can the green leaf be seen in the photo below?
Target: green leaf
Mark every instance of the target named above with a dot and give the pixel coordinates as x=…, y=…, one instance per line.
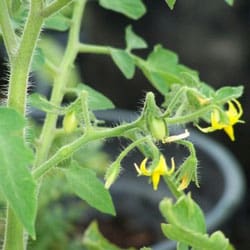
x=96, y=100
x=184, y=213
x=124, y=62
x=196, y=240
x=181, y=246
x=57, y=22
x=170, y=3
x=94, y=240
x=88, y=187
x=133, y=41
x=225, y=94
x=187, y=225
x=132, y=9
x=40, y=102
x=163, y=70
x=229, y=2
x=162, y=60
x=16, y=182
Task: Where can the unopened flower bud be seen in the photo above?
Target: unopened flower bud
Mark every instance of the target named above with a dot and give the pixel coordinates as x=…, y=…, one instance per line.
x=70, y=122
x=157, y=128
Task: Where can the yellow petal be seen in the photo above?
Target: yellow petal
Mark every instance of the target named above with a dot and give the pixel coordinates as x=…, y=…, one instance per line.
x=215, y=120
x=161, y=167
x=230, y=132
x=155, y=180
x=205, y=130
x=170, y=171
x=143, y=168
x=234, y=113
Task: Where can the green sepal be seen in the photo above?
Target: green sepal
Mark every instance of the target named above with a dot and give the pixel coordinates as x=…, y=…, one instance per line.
x=112, y=173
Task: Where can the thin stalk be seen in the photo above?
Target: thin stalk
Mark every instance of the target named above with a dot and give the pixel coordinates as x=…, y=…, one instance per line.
x=60, y=83
x=189, y=117
x=8, y=33
x=85, y=110
x=172, y=187
x=96, y=49
x=54, y=7
x=67, y=150
x=175, y=99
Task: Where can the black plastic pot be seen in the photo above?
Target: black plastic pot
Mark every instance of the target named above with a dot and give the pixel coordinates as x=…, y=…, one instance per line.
x=222, y=185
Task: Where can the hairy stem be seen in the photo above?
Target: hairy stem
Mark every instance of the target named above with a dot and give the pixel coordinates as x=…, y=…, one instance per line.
x=18, y=82
x=7, y=29
x=67, y=150
x=54, y=7
x=21, y=64
x=60, y=83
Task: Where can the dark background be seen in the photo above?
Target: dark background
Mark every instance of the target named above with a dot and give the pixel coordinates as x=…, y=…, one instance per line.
x=208, y=36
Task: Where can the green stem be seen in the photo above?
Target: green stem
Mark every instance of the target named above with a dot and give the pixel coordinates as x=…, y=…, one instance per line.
x=189, y=117
x=175, y=99
x=85, y=110
x=18, y=82
x=60, y=83
x=115, y=168
x=131, y=146
x=21, y=64
x=189, y=145
x=95, y=49
x=172, y=187
x=67, y=150
x=8, y=32
x=54, y=7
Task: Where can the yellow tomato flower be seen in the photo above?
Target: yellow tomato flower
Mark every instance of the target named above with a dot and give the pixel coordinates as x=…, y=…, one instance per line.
x=160, y=170
x=233, y=114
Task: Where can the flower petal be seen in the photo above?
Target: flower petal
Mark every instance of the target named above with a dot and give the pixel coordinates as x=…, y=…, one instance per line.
x=230, y=132
x=143, y=168
x=155, y=180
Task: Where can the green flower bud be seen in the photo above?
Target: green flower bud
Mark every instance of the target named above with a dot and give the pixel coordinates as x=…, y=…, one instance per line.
x=157, y=128
x=70, y=122
x=112, y=174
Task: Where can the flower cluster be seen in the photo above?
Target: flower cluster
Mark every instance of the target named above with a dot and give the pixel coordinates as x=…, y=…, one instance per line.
x=233, y=115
